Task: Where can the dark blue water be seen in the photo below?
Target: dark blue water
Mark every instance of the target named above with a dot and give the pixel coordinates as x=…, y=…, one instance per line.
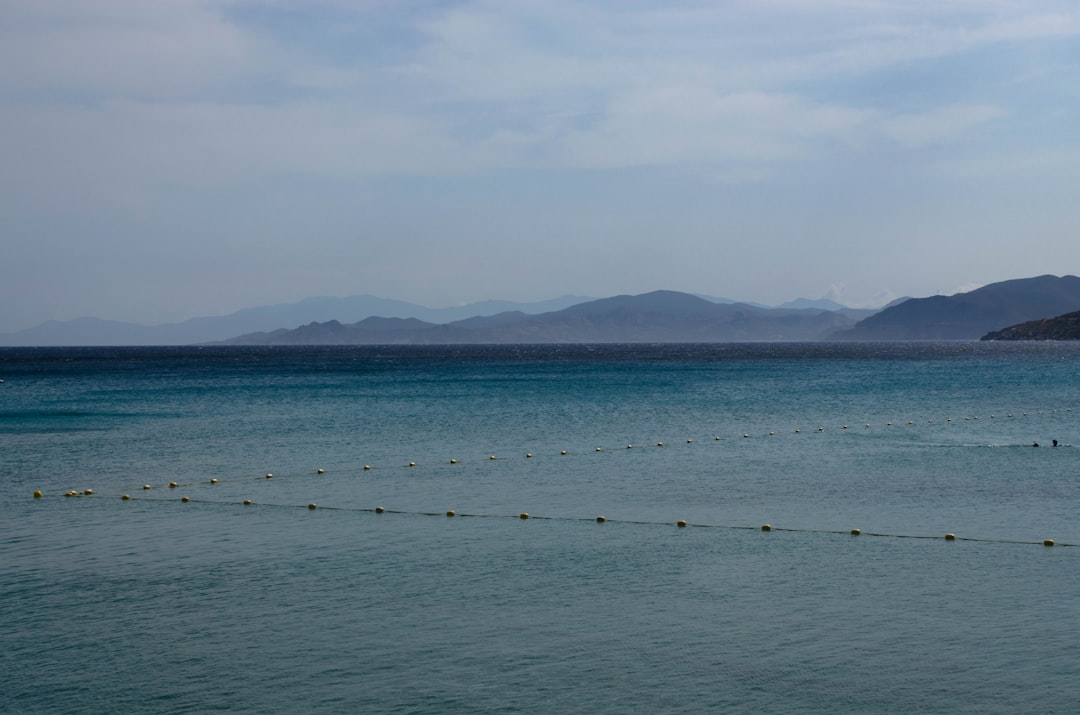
x=158, y=605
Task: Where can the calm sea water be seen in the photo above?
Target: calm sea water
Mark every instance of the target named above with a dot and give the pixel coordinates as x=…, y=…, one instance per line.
x=158, y=605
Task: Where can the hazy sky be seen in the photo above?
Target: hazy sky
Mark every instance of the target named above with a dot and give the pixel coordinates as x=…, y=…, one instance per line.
x=164, y=159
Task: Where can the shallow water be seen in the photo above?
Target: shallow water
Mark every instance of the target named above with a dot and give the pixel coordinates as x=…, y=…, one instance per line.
x=155, y=605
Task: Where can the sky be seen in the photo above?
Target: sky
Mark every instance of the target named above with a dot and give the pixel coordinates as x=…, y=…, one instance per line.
x=167, y=159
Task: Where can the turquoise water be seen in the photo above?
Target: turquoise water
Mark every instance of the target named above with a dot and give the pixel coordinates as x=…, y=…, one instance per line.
x=157, y=605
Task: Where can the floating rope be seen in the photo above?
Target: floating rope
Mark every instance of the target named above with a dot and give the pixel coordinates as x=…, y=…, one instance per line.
x=524, y=516
x=494, y=457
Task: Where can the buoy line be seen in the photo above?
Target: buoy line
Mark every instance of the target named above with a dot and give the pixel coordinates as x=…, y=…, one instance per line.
x=497, y=456
x=526, y=516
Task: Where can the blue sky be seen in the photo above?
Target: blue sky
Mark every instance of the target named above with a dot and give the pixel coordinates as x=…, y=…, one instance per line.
x=177, y=158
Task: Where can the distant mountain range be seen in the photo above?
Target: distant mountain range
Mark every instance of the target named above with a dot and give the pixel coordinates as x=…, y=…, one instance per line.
x=1063, y=327
x=660, y=316
x=969, y=316
x=94, y=331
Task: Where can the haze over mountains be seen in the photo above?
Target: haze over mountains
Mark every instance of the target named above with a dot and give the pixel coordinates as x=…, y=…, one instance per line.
x=660, y=316
x=95, y=331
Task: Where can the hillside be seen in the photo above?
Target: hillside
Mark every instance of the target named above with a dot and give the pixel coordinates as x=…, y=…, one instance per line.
x=968, y=316
x=1063, y=327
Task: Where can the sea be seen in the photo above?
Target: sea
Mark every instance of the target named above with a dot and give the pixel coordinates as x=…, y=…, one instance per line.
x=765, y=528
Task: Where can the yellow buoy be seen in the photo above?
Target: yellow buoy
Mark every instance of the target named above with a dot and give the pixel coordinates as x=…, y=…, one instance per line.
x=37, y=493
x=950, y=537
x=88, y=492
x=523, y=515
x=680, y=523
x=855, y=532
x=1048, y=542
x=450, y=512
x=312, y=505
x=70, y=493
x=185, y=499
x=125, y=497
x=247, y=502
x=766, y=527
x=601, y=519
x=379, y=510
x=145, y=486
x=173, y=485
x=213, y=480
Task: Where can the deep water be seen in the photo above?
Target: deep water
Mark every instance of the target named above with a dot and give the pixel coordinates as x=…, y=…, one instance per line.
x=154, y=604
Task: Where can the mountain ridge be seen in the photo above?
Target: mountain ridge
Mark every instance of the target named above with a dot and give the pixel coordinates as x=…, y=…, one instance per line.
x=658, y=316
x=970, y=315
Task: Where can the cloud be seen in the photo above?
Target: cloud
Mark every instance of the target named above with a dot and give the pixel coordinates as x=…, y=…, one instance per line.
x=206, y=92
x=111, y=48
x=938, y=125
